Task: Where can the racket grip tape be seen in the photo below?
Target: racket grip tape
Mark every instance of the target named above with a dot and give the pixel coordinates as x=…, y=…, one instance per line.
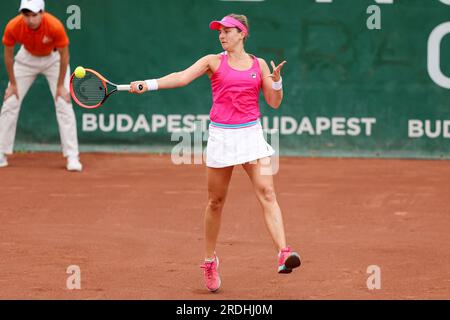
x=123, y=87
x=127, y=87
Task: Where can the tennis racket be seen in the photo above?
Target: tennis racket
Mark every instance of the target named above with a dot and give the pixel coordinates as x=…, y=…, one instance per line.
x=93, y=89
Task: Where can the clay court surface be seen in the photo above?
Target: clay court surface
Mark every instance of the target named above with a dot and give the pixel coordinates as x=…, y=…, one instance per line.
x=133, y=223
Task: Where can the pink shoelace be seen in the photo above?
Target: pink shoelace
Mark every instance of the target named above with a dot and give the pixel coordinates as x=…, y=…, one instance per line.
x=208, y=268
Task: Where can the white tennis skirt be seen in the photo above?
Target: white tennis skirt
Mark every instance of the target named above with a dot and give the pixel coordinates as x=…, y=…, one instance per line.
x=229, y=146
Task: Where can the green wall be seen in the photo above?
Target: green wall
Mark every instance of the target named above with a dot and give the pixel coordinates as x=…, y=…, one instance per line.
x=368, y=84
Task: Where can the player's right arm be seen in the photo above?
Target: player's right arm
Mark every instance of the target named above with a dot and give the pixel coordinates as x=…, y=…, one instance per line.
x=9, y=64
x=179, y=79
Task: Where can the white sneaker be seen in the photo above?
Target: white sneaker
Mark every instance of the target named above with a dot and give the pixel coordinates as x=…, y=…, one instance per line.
x=3, y=161
x=74, y=164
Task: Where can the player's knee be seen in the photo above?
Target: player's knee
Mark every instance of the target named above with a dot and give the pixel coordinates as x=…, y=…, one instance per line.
x=215, y=204
x=62, y=106
x=268, y=194
x=11, y=105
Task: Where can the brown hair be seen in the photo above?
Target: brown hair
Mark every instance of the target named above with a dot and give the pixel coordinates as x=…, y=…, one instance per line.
x=242, y=19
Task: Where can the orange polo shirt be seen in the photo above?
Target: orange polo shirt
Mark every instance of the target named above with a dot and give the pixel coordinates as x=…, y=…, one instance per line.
x=40, y=42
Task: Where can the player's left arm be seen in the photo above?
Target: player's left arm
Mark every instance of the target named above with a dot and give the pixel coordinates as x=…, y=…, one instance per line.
x=61, y=91
x=273, y=97
x=61, y=43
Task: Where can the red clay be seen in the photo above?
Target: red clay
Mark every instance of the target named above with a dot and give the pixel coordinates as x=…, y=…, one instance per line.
x=134, y=225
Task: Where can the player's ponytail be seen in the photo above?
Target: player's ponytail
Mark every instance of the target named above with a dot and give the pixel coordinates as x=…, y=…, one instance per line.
x=244, y=20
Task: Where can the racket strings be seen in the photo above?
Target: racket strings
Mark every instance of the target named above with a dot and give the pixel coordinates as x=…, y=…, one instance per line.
x=89, y=90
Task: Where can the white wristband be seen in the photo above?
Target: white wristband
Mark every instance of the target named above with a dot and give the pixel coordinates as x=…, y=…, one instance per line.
x=152, y=84
x=278, y=85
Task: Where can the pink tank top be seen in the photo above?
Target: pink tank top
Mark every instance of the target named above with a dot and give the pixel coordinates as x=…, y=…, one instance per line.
x=235, y=93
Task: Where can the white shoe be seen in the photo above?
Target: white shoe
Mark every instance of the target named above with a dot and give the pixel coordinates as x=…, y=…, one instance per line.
x=3, y=161
x=74, y=164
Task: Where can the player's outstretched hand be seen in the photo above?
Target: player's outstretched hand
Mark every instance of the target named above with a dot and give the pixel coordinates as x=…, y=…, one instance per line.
x=135, y=87
x=276, y=73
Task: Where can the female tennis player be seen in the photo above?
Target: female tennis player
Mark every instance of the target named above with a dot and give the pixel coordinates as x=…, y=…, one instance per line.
x=235, y=133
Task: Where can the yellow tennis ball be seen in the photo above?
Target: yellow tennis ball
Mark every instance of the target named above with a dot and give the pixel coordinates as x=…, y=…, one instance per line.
x=80, y=72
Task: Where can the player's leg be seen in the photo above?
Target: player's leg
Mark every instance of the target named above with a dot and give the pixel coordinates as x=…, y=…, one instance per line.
x=265, y=193
x=65, y=117
x=218, y=181
x=25, y=76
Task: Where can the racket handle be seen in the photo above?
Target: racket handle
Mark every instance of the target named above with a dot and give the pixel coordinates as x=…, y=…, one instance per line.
x=123, y=87
x=127, y=87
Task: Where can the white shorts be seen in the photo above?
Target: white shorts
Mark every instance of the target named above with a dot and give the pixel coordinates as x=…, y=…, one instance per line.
x=228, y=147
